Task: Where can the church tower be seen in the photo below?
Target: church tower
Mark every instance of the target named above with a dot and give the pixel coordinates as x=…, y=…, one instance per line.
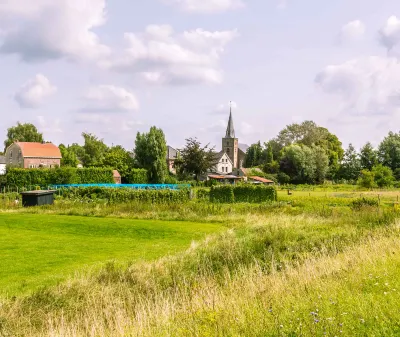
x=230, y=144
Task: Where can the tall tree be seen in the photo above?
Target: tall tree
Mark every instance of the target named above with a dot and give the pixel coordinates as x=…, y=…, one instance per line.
x=383, y=175
x=254, y=155
x=94, y=150
x=368, y=157
x=23, y=133
x=389, y=151
x=119, y=159
x=196, y=159
x=69, y=158
x=298, y=163
x=351, y=165
x=321, y=160
x=151, y=153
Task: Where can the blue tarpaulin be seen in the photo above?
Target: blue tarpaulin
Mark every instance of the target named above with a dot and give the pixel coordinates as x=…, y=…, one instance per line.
x=132, y=186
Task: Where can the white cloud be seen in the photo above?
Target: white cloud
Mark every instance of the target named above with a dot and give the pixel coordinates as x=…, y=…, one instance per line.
x=49, y=127
x=34, y=92
x=389, y=34
x=207, y=6
x=109, y=98
x=43, y=29
x=352, y=30
x=163, y=57
x=365, y=86
x=282, y=4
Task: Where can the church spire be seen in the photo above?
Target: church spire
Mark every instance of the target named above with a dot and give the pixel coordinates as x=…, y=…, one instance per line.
x=230, y=131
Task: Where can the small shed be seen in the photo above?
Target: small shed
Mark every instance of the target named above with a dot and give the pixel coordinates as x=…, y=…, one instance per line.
x=260, y=180
x=37, y=198
x=117, y=177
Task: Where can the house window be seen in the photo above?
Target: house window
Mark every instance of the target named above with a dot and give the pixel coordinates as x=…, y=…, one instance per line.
x=10, y=154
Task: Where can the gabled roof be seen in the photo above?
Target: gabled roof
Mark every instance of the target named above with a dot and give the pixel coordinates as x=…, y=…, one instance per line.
x=219, y=155
x=39, y=150
x=262, y=180
x=116, y=174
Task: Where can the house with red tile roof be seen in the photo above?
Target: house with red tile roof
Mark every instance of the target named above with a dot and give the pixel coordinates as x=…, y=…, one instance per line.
x=33, y=155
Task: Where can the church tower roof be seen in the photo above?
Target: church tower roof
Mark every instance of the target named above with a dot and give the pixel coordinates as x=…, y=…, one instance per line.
x=230, y=130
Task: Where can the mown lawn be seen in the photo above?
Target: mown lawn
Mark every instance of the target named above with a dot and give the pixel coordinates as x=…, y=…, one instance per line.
x=40, y=250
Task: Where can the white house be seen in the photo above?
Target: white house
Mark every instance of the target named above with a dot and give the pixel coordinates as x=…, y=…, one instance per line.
x=2, y=165
x=224, y=164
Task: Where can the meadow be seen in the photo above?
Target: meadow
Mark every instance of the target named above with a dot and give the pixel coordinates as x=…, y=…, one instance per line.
x=315, y=263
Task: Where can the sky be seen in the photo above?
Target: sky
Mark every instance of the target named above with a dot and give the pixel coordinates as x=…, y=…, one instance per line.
x=115, y=68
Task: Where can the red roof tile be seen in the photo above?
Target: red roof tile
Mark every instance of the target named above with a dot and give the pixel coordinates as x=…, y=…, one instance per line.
x=116, y=174
x=263, y=180
x=39, y=150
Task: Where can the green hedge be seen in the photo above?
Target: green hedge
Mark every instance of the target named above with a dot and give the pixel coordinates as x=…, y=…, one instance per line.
x=58, y=176
x=242, y=193
x=138, y=176
x=115, y=195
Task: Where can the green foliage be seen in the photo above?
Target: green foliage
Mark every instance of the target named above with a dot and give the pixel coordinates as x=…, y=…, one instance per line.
x=23, y=133
x=137, y=176
x=367, y=179
x=351, y=165
x=202, y=194
x=151, y=153
x=58, y=176
x=360, y=203
x=69, y=158
x=119, y=195
x=368, y=157
x=389, y=151
x=242, y=193
x=222, y=194
x=195, y=159
x=119, y=159
x=254, y=155
x=283, y=178
x=94, y=150
x=383, y=175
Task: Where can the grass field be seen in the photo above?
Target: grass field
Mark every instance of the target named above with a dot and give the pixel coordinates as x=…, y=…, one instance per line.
x=310, y=265
x=38, y=250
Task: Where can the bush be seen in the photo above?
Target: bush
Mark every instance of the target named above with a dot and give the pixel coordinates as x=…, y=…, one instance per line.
x=242, y=193
x=367, y=179
x=137, y=176
x=115, y=195
x=361, y=203
x=203, y=194
x=58, y=176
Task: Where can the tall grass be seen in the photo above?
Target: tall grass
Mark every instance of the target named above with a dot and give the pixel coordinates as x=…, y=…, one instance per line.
x=263, y=277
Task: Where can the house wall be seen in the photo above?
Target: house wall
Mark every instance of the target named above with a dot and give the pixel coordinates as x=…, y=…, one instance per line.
x=14, y=156
x=224, y=165
x=2, y=169
x=231, y=147
x=41, y=162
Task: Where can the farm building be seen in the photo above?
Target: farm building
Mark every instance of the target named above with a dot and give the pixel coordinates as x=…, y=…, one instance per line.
x=117, y=177
x=33, y=155
x=260, y=180
x=3, y=165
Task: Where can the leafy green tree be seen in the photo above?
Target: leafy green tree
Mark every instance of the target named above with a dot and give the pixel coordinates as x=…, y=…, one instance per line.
x=271, y=168
x=118, y=159
x=298, y=163
x=368, y=157
x=23, y=133
x=321, y=160
x=69, y=158
x=383, y=175
x=196, y=159
x=351, y=165
x=151, y=153
x=269, y=157
x=94, y=151
x=389, y=151
x=78, y=150
x=367, y=179
x=254, y=155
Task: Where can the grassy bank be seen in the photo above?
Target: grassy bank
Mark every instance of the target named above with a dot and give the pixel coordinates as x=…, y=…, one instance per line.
x=274, y=274
x=39, y=250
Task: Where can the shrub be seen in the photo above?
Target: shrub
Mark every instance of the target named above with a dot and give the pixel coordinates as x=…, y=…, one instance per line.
x=202, y=194
x=222, y=194
x=361, y=203
x=242, y=193
x=367, y=179
x=383, y=175
x=115, y=195
x=58, y=176
x=137, y=176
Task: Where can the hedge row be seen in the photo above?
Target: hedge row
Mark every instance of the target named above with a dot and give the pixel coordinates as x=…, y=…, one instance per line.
x=58, y=176
x=242, y=193
x=115, y=195
x=137, y=176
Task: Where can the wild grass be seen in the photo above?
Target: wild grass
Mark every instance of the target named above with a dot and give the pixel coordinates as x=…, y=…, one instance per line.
x=279, y=274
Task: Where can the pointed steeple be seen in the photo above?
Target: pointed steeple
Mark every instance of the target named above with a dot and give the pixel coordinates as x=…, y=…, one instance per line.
x=230, y=130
